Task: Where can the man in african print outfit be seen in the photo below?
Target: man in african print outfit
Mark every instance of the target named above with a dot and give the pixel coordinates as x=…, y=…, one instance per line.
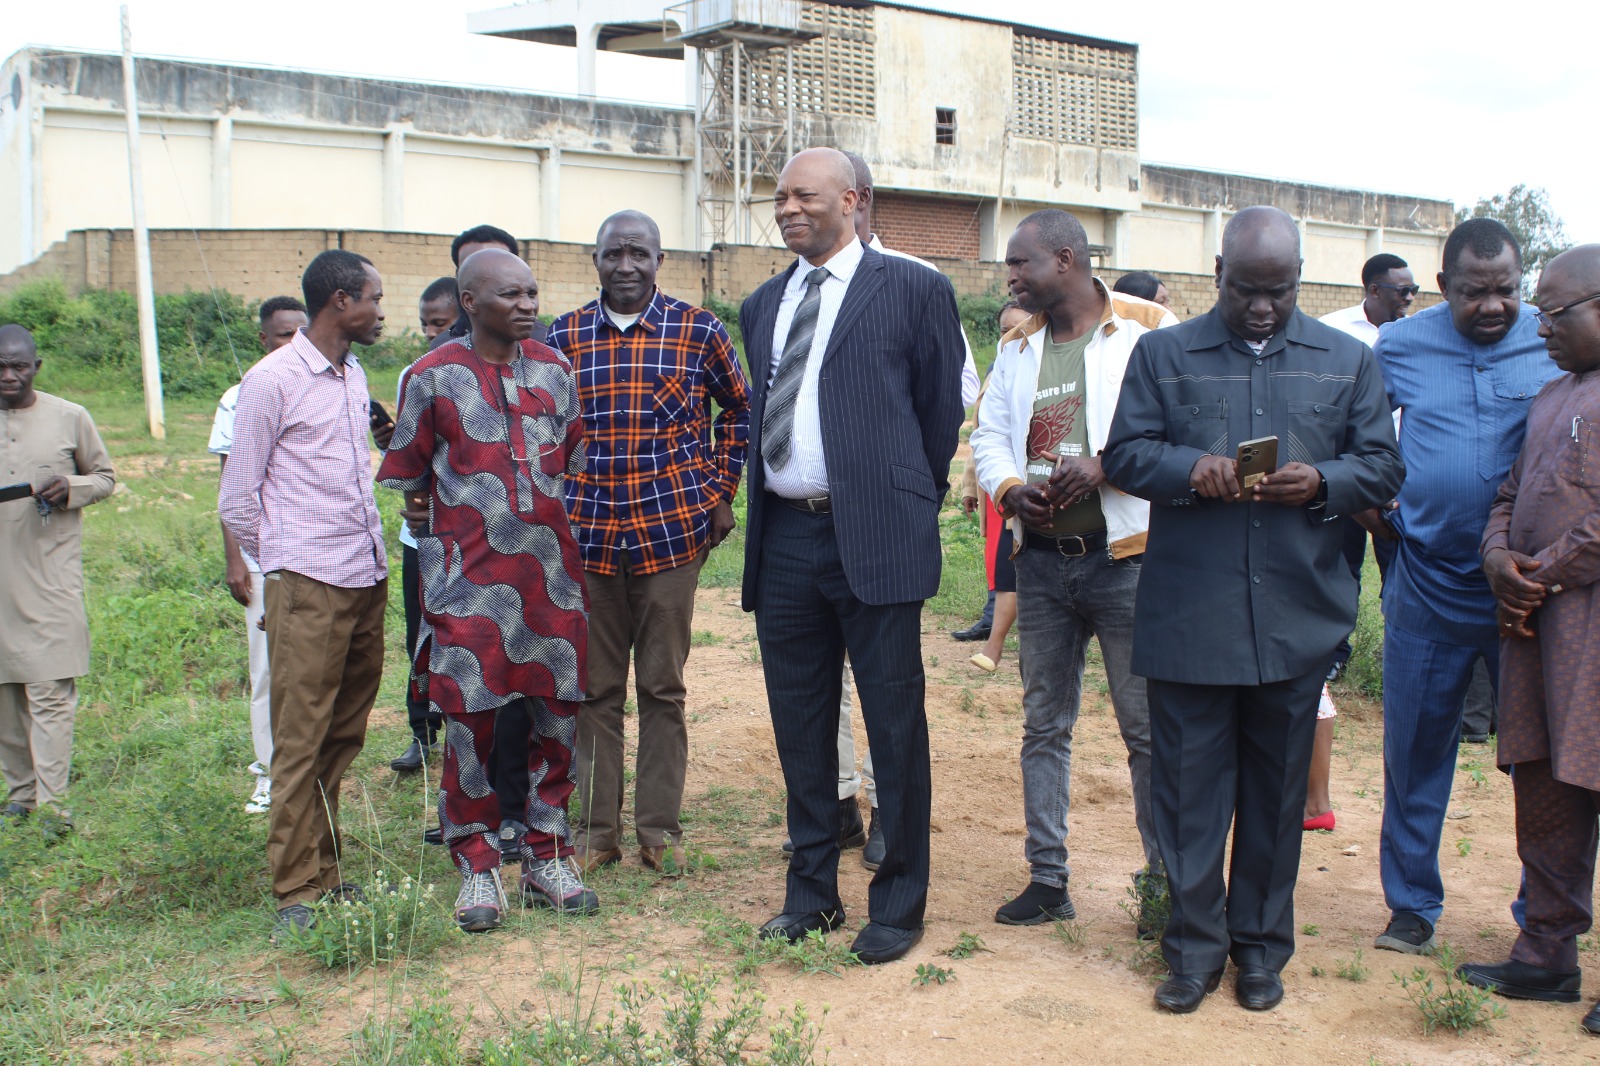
x=487, y=432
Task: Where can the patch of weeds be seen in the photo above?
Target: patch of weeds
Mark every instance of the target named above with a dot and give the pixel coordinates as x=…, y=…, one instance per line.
x=1464, y=846
x=431, y=1036
x=1070, y=933
x=1318, y=971
x=967, y=704
x=1474, y=771
x=394, y=921
x=1149, y=904
x=1354, y=969
x=1311, y=930
x=929, y=974
x=704, y=638
x=811, y=954
x=966, y=946
x=1445, y=999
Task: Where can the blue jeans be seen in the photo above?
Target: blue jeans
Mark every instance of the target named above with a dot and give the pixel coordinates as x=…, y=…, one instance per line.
x=1061, y=602
x=1424, y=682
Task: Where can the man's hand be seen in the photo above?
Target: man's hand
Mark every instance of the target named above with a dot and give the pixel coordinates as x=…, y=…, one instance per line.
x=415, y=512
x=1075, y=478
x=1293, y=485
x=722, y=522
x=382, y=431
x=1515, y=592
x=238, y=578
x=1373, y=522
x=1513, y=623
x=969, y=504
x=1215, y=477
x=54, y=491
x=1031, y=504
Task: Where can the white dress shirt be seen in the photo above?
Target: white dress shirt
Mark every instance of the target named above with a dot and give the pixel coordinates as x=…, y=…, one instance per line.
x=1353, y=320
x=805, y=475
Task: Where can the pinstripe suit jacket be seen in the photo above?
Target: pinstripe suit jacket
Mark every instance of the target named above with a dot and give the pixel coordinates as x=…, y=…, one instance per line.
x=890, y=398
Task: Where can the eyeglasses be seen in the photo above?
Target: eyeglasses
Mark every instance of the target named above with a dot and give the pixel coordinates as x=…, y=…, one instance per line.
x=1403, y=290
x=1548, y=318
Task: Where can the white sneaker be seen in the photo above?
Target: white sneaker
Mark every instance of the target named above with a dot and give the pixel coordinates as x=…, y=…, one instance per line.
x=257, y=769
x=261, y=798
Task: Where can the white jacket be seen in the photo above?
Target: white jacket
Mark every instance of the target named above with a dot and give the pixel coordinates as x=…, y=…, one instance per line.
x=1001, y=437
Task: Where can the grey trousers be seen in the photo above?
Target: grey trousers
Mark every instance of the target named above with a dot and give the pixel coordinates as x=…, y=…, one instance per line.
x=36, y=740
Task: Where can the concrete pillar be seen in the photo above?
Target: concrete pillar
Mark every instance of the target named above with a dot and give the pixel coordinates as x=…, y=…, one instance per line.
x=394, y=178
x=588, y=45
x=33, y=243
x=1118, y=238
x=691, y=206
x=1210, y=240
x=222, y=172
x=1374, y=241
x=550, y=194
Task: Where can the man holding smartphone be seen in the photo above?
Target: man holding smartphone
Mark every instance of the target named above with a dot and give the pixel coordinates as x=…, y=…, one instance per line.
x=1044, y=421
x=1244, y=592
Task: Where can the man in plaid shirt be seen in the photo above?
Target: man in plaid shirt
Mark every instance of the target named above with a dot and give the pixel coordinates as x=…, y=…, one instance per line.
x=655, y=497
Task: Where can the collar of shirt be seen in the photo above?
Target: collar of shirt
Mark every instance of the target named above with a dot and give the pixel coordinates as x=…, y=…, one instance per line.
x=312, y=356
x=1212, y=332
x=842, y=267
x=649, y=319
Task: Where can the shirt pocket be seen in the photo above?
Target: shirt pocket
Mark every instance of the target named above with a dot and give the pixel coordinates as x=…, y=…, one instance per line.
x=670, y=400
x=1316, y=432
x=1199, y=425
x=1512, y=400
x=544, y=436
x=1580, y=457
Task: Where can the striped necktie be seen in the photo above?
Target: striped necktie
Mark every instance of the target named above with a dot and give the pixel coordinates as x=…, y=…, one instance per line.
x=777, y=423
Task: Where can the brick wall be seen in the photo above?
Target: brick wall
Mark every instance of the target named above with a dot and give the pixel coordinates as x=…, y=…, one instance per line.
x=256, y=264
x=925, y=226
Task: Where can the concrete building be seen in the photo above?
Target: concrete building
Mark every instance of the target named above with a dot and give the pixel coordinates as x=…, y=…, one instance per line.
x=969, y=124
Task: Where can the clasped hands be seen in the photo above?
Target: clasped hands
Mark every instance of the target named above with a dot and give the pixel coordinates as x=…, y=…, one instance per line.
x=1073, y=479
x=1293, y=484
x=1516, y=594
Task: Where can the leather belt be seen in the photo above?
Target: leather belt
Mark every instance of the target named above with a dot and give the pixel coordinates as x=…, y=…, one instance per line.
x=1072, y=545
x=811, y=505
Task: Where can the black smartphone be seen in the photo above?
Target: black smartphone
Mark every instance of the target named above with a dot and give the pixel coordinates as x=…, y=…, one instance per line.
x=1257, y=459
x=375, y=409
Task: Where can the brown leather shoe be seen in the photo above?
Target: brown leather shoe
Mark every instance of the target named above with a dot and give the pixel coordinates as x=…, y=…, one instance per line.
x=655, y=857
x=589, y=860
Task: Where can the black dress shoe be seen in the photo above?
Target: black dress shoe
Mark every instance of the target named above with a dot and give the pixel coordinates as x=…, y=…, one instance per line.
x=795, y=925
x=878, y=943
x=1182, y=992
x=1521, y=980
x=411, y=761
x=976, y=631
x=433, y=836
x=873, y=851
x=1258, y=988
x=1591, y=1021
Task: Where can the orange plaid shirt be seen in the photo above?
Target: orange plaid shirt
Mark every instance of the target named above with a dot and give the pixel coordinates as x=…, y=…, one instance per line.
x=652, y=475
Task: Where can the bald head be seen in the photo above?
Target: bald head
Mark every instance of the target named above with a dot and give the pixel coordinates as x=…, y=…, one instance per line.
x=15, y=338
x=862, y=178
x=630, y=220
x=1261, y=230
x=1258, y=272
x=1578, y=266
x=501, y=297
x=1567, y=286
x=815, y=204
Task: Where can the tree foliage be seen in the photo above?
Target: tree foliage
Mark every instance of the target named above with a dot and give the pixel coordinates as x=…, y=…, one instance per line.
x=1526, y=212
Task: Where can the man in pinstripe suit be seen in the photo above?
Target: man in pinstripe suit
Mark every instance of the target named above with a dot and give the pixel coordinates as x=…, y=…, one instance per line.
x=856, y=365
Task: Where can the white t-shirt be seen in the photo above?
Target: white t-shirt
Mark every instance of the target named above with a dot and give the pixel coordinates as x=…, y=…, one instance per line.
x=1353, y=320
x=222, y=443
x=620, y=320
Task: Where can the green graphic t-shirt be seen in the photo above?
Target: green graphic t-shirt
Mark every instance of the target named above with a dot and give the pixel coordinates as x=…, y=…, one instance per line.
x=1058, y=428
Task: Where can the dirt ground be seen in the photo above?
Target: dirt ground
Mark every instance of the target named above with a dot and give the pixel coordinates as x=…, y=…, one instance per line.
x=1035, y=994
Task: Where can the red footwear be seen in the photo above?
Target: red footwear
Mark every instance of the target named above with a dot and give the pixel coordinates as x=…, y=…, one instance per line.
x=1321, y=821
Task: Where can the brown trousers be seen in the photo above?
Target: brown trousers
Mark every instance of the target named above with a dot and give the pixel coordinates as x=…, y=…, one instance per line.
x=326, y=648
x=1556, y=836
x=652, y=614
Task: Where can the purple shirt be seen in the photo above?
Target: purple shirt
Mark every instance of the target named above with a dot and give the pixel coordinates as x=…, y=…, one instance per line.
x=297, y=490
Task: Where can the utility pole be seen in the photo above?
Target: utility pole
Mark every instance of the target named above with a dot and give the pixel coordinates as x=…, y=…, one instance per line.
x=149, y=351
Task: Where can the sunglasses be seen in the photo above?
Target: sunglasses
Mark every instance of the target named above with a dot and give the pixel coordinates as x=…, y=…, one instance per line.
x=1403, y=290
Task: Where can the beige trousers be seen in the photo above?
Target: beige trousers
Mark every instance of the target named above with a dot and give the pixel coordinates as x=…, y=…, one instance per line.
x=36, y=740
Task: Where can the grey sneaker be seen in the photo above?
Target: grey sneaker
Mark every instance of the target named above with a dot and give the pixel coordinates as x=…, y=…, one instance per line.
x=1408, y=933
x=555, y=884
x=292, y=920
x=480, y=902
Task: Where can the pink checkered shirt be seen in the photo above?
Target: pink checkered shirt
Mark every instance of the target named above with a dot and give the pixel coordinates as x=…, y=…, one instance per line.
x=297, y=490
